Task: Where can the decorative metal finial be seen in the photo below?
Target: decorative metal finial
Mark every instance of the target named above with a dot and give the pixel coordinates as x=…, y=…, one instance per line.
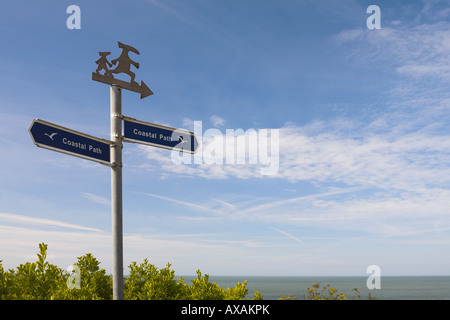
x=124, y=63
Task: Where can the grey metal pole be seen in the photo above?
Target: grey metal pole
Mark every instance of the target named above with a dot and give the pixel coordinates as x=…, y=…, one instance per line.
x=116, y=190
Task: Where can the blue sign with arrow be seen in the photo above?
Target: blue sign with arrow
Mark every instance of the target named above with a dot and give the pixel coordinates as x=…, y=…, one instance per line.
x=54, y=137
x=159, y=136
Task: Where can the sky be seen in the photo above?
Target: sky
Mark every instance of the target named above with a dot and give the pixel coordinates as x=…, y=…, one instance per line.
x=360, y=120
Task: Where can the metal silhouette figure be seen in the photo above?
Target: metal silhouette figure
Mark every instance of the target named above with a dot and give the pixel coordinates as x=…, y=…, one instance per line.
x=103, y=63
x=125, y=63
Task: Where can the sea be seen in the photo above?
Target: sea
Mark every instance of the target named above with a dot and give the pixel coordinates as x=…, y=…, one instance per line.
x=391, y=287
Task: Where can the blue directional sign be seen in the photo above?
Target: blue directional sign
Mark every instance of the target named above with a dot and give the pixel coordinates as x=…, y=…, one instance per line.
x=159, y=136
x=54, y=137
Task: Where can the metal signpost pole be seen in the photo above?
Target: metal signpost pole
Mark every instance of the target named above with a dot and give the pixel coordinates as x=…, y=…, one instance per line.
x=122, y=65
x=57, y=138
x=116, y=190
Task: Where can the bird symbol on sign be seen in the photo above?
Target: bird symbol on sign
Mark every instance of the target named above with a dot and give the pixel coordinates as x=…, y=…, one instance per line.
x=51, y=135
x=182, y=139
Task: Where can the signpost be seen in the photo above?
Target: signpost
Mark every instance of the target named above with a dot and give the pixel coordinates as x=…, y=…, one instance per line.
x=124, y=66
x=57, y=138
x=54, y=137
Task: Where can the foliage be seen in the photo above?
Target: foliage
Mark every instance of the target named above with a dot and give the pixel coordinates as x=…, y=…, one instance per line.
x=95, y=283
x=202, y=289
x=146, y=282
x=41, y=280
x=326, y=293
x=315, y=292
x=288, y=297
x=6, y=284
x=32, y=281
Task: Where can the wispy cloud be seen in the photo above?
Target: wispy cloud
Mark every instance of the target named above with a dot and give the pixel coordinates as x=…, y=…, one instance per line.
x=288, y=235
x=188, y=124
x=413, y=50
x=198, y=19
x=165, y=8
x=386, y=153
x=217, y=121
x=394, y=181
x=281, y=203
x=15, y=218
x=186, y=252
x=404, y=147
x=225, y=204
x=97, y=199
x=183, y=203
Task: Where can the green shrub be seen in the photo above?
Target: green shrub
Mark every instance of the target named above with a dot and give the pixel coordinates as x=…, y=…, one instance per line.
x=41, y=280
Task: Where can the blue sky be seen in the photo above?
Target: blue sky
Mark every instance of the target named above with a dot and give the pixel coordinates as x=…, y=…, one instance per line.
x=362, y=115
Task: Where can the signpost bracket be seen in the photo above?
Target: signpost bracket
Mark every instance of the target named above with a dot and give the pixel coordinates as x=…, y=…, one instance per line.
x=117, y=164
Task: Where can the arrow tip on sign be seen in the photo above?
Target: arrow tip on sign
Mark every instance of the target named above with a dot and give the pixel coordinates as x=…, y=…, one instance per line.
x=145, y=91
x=195, y=145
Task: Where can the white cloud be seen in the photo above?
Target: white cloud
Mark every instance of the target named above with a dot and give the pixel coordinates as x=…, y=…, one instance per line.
x=183, y=203
x=15, y=218
x=186, y=252
x=97, y=199
x=365, y=158
x=326, y=152
x=406, y=147
x=226, y=204
x=288, y=235
x=393, y=173
x=188, y=124
x=217, y=121
x=413, y=50
x=167, y=9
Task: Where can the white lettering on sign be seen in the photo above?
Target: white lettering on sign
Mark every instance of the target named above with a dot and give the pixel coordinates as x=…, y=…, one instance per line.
x=95, y=150
x=82, y=146
x=74, y=144
x=144, y=133
x=164, y=137
x=152, y=135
